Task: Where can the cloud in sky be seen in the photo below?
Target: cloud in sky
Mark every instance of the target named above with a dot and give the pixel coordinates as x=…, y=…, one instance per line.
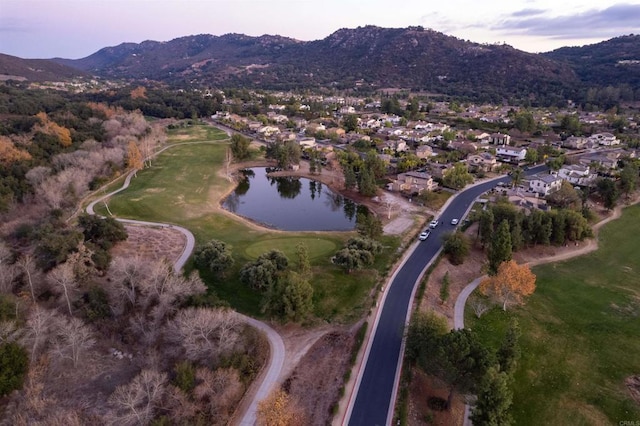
x=593, y=24
x=528, y=12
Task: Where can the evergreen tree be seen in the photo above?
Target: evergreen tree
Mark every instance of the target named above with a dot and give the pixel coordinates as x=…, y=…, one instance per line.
x=608, y=192
x=368, y=225
x=509, y=351
x=425, y=330
x=289, y=298
x=240, y=147
x=500, y=248
x=14, y=364
x=485, y=227
x=367, y=183
x=460, y=360
x=350, y=179
x=444, y=287
x=456, y=247
x=304, y=265
x=494, y=400
x=629, y=178
x=215, y=256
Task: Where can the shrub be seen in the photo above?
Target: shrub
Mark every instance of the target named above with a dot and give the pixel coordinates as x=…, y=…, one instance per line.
x=14, y=363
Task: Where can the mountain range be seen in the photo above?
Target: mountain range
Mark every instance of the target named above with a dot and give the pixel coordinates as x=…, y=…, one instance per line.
x=371, y=58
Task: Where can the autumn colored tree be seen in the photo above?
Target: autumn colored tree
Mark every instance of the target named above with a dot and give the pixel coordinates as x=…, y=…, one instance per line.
x=511, y=283
x=134, y=158
x=10, y=154
x=139, y=92
x=51, y=128
x=279, y=409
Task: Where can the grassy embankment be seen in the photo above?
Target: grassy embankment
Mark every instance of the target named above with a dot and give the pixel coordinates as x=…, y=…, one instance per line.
x=183, y=187
x=580, y=334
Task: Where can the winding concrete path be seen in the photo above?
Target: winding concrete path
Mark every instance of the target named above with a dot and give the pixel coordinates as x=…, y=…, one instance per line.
x=269, y=376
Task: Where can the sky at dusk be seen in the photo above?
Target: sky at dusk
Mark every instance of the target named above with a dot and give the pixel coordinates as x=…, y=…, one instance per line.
x=77, y=28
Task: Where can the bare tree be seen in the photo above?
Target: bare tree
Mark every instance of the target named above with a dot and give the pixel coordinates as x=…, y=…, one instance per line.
x=127, y=275
x=164, y=288
x=37, y=175
x=51, y=192
x=479, y=306
x=81, y=262
x=8, y=271
x=28, y=266
x=38, y=330
x=32, y=403
x=9, y=332
x=146, y=332
x=73, y=339
x=64, y=281
x=390, y=204
x=179, y=406
x=218, y=391
x=205, y=333
x=136, y=402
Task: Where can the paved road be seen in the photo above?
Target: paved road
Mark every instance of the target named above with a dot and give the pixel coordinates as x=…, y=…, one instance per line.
x=377, y=382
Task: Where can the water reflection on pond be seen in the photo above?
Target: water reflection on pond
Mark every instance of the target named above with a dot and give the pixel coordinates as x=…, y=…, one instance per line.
x=291, y=203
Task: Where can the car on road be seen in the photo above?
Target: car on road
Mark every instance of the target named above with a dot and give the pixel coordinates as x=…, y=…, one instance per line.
x=424, y=235
x=433, y=224
x=454, y=221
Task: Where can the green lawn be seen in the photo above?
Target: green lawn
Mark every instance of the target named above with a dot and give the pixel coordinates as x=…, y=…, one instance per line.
x=193, y=133
x=581, y=334
x=183, y=188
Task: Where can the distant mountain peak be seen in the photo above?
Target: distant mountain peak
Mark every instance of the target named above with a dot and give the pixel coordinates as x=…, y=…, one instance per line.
x=414, y=58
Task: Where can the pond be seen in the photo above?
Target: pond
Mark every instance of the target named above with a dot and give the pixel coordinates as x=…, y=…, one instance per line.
x=291, y=203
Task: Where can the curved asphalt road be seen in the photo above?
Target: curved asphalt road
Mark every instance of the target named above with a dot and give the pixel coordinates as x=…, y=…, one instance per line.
x=376, y=384
x=276, y=345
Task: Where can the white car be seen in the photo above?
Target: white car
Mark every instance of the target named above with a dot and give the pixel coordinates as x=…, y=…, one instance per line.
x=454, y=221
x=433, y=224
x=424, y=235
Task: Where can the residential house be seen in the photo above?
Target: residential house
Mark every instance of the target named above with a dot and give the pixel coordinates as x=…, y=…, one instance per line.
x=299, y=122
x=397, y=146
x=336, y=131
x=544, y=184
x=605, y=139
x=511, y=154
x=268, y=131
x=438, y=170
x=413, y=183
x=479, y=136
x=278, y=118
x=575, y=142
x=500, y=139
x=483, y=161
x=603, y=160
x=463, y=146
x=576, y=174
x=286, y=136
x=313, y=128
x=424, y=151
x=307, y=142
